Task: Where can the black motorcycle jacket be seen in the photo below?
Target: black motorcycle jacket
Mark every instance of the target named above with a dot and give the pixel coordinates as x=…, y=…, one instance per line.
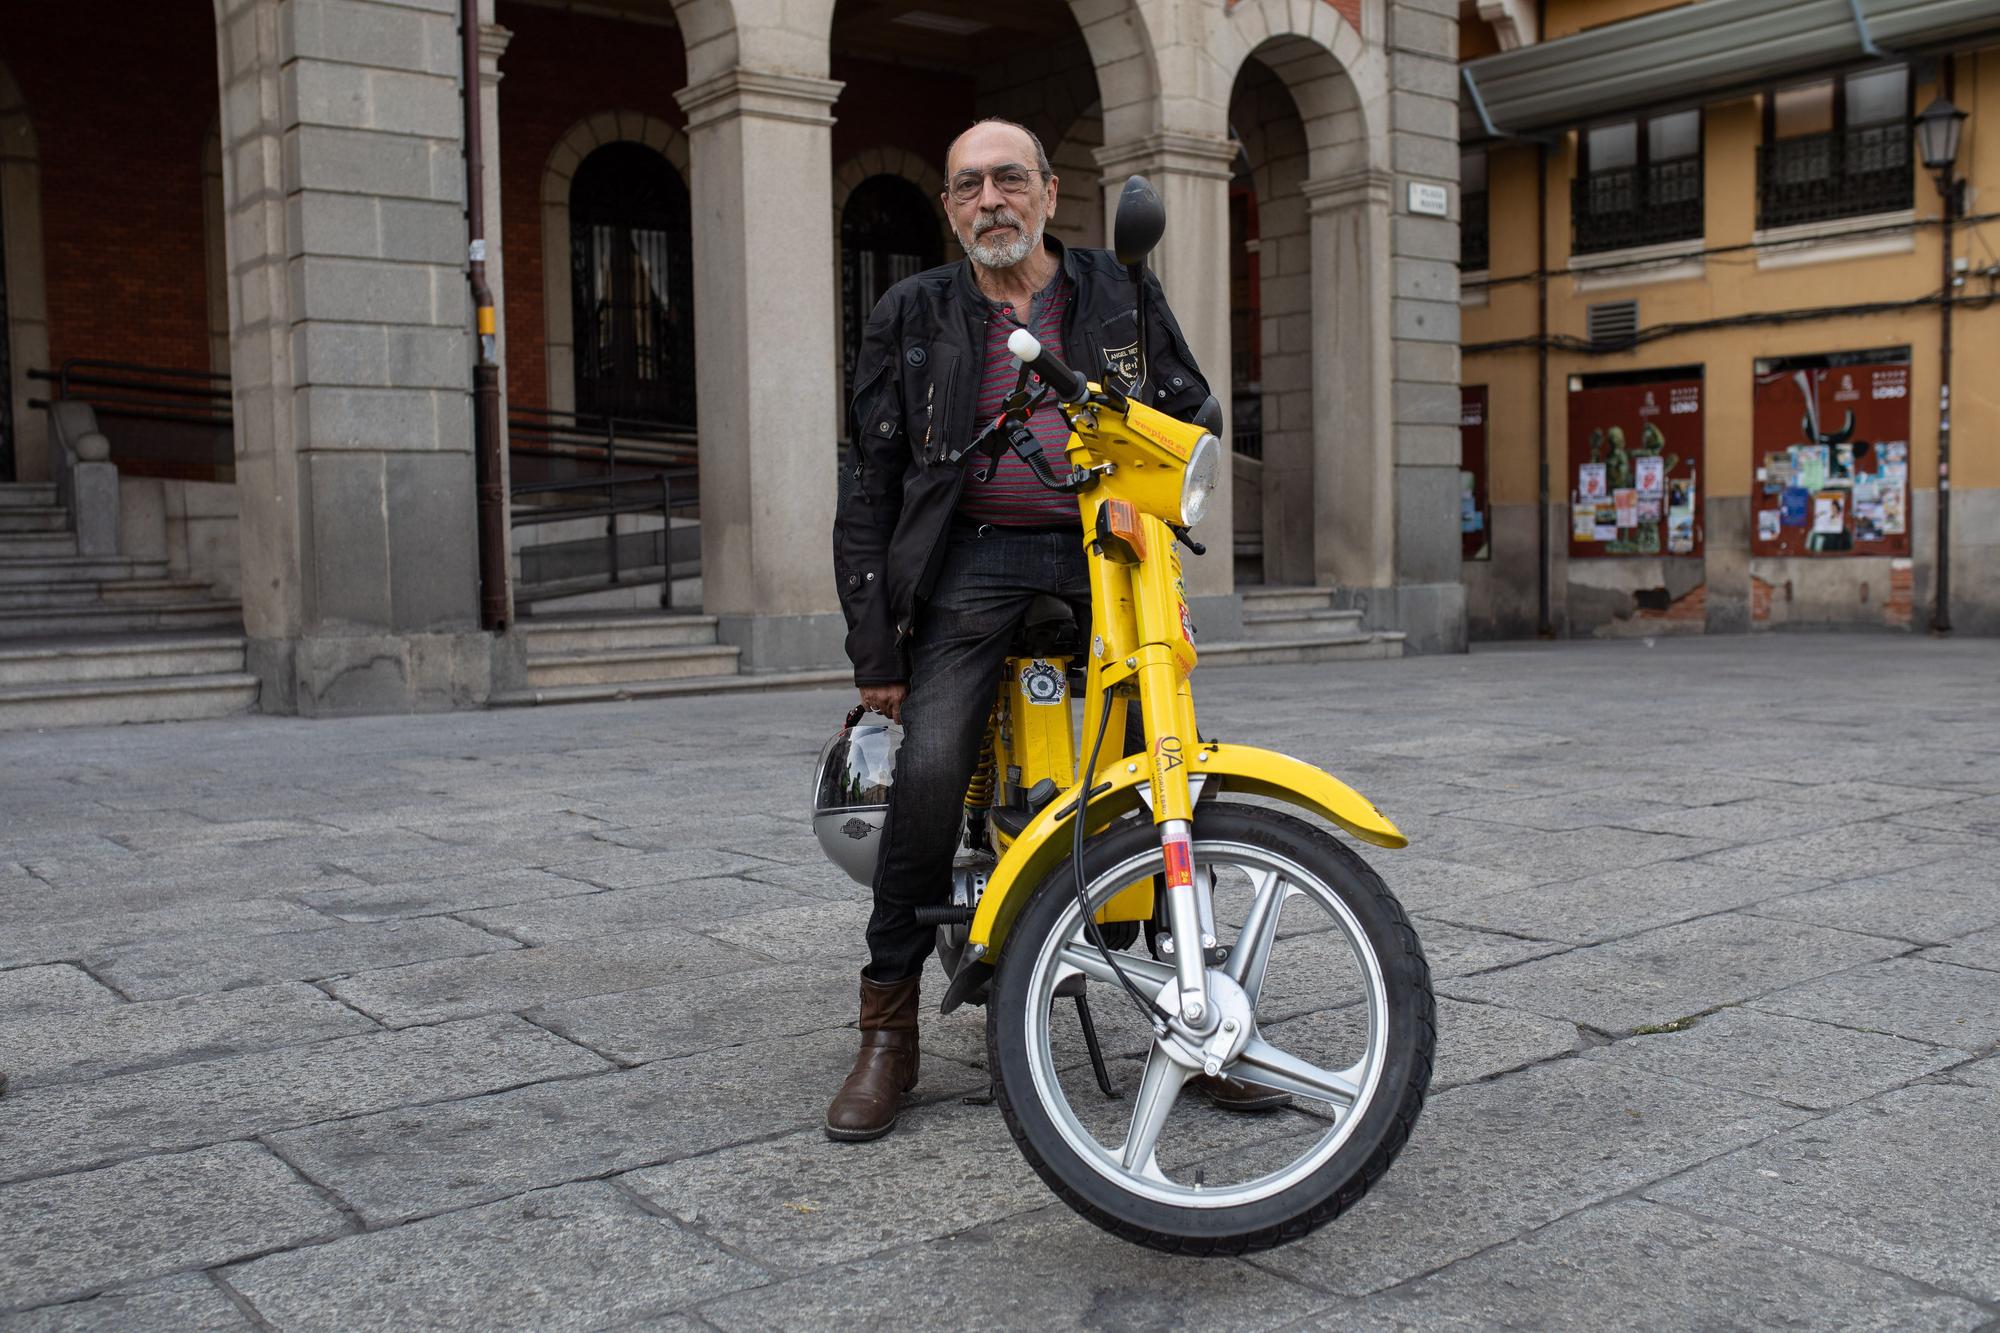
x=916, y=399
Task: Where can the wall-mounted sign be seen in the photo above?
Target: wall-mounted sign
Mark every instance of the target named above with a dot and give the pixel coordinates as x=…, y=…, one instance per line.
x=1832, y=455
x=1635, y=448
x=1434, y=200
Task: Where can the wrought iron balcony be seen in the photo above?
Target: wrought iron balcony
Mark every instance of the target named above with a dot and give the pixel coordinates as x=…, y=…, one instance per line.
x=1635, y=206
x=1472, y=232
x=1848, y=173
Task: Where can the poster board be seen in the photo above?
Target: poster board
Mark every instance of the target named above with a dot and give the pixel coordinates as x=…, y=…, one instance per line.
x=1831, y=455
x=1635, y=460
x=1475, y=520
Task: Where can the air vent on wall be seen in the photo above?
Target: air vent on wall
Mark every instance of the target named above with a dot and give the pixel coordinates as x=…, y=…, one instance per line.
x=1614, y=323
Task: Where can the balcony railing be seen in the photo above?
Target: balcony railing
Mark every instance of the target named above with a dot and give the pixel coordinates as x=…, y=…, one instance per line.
x=1472, y=256
x=1848, y=173
x=1635, y=206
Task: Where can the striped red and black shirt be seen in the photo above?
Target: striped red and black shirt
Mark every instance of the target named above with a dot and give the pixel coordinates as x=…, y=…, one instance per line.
x=1012, y=497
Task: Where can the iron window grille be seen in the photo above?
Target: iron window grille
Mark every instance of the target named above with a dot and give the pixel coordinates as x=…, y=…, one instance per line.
x=1844, y=174
x=1652, y=203
x=1472, y=234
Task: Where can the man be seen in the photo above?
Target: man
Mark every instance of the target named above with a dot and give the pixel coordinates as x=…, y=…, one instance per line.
x=936, y=571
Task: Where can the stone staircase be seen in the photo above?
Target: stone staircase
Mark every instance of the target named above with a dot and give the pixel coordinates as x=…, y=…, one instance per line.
x=1299, y=625
x=93, y=639
x=582, y=657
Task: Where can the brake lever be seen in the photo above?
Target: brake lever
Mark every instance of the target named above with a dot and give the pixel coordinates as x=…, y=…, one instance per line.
x=1182, y=535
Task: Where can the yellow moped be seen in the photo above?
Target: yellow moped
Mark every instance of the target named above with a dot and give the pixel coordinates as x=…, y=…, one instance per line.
x=1274, y=956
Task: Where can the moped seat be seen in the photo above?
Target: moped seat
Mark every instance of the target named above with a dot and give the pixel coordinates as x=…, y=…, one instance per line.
x=1048, y=630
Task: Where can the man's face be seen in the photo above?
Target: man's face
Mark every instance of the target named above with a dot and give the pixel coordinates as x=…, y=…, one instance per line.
x=998, y=203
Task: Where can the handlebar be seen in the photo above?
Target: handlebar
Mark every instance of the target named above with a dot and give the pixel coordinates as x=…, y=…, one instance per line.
x=1067, y=384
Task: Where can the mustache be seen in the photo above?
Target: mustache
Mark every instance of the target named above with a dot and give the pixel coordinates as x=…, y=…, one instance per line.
x=999, y=217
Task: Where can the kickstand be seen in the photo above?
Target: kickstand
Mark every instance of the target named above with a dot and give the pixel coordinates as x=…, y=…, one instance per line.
x=1096, y=1051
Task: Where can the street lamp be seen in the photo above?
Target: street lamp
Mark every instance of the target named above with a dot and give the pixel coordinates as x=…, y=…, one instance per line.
x=1938, y=127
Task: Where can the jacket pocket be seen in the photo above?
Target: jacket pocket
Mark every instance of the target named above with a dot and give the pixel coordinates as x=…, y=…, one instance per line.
x=940, y=377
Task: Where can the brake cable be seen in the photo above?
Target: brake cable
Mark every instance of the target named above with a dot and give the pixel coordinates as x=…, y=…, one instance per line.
x=1160, y=1019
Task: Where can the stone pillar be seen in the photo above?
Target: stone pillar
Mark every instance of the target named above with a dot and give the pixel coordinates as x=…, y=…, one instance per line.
x=761, y=172
x=1191, y=172
x=493, y=41
x=344, y=190
x=1354, y=537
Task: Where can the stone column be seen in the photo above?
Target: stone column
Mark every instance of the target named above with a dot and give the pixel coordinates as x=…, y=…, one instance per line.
x=344, y=190
x=761, y=172
x=1191, y=172
x=493, y=41
x=1353, y=499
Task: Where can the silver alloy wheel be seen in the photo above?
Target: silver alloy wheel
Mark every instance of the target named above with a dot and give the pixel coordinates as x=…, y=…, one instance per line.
x=1132, y=1165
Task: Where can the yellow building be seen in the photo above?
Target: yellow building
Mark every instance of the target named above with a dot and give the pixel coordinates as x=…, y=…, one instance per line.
x=1704, y=308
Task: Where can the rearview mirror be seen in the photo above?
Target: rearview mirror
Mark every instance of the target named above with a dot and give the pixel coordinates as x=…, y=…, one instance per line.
x=1139, y=223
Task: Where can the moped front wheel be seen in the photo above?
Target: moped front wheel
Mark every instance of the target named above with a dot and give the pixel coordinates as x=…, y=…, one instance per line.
x=1322, y=963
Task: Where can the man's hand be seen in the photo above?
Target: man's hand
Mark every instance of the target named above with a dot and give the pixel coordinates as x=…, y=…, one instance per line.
x=885, y=699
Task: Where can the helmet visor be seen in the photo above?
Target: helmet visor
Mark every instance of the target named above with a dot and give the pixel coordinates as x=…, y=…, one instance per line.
x=858, y=766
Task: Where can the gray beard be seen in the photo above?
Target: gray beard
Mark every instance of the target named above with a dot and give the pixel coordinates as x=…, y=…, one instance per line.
x=999, y=254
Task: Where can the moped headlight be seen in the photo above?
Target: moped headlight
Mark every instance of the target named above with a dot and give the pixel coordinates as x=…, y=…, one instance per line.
x=1198, y=483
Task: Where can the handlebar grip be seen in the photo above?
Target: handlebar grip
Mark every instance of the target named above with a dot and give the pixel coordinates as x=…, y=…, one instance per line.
x=1068, y=384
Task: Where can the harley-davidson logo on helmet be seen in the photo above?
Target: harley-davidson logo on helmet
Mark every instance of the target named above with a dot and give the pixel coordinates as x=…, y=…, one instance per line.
x=857, y=828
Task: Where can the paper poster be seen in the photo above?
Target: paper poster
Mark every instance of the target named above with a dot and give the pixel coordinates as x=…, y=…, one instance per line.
x=1583, y=522
x=1605, y=532
x=1767, y=525
x=1590, y=484
x=1471, y=518
x=1793, y=506
x=1776, y=474
x=1680, y=495
x=1868, y=522
x=1650, y=470
x=1894, y=510
x=1625, y=504
x=1840, y=472
x=1812, y=465
x=1649, y=509
x=1895, y=458
x=1680, y=534
x=1829, y=513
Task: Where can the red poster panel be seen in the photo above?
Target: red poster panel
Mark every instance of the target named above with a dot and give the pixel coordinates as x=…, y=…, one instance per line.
x=1635, y=457
x=1475, y=523
x=1832, y=456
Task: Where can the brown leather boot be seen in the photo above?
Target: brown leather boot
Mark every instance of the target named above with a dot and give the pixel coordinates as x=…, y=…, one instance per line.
x=886, y=1067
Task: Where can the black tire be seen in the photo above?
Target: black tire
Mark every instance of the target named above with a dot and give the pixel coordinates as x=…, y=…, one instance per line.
x=1384, y=1122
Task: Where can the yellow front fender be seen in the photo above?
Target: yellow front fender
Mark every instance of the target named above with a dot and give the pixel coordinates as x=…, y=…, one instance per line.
x=1047, y=839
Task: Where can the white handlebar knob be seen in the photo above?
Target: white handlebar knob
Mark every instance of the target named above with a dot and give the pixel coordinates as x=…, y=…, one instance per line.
x=1024, y=345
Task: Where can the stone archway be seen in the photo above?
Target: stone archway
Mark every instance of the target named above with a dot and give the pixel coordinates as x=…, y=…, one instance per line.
x=24, y=339
x=215, y=246
x=582, y=139
x=900, y=164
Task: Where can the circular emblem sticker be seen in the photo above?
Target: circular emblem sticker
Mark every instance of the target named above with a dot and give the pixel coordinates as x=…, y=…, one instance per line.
x=1041, y=683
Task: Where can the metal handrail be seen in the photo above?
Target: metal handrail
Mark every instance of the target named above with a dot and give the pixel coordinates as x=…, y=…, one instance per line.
x=167, y=395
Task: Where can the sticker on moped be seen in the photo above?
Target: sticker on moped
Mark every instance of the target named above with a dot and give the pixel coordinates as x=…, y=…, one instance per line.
x=1042, y=684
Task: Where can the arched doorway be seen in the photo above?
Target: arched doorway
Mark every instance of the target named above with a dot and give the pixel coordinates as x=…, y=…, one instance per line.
x=632, y=287
x=888, y=231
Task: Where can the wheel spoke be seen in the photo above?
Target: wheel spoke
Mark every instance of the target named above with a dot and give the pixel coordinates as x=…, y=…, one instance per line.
x=1252, y=954
x=1264, y=1064
x=1159, y=1088
x=1146, y=974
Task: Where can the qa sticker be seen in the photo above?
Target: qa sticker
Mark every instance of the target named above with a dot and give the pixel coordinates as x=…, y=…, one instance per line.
x=1187, y=624
x=1042, y=684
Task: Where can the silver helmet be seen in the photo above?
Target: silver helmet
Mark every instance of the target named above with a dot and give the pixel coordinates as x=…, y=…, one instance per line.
x=851, y=791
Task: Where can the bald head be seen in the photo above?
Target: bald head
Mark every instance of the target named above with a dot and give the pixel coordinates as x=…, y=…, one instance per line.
x=993, y=141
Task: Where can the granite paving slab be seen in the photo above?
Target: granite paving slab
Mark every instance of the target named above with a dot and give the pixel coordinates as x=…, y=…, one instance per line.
x=39, y=992
x=607, y=868
x=400, y=1164
x=1852, y=851
x=801, y=1202
x=1574, y=853
x=580, y=1257
x=1427, y=885
x=1081, y=1277
x=824, y=880
x=1926, y=904
x=1457, y=951
x=97, y=1042
x=1478, y=1041
x=1981, y=949
x=1975, y=814
x=1814, y=1065
x=1619, y=902
x=685, y=904
x=74, y=1235
x=1873, y=798
x=1492, y=1160
x=193, y=964
x=1578, y=1274
x=527, y=978
x=1907, y=1181
x=1668, y=974
x=46, y=941
x=733, y=1009
x=1911, y=997
x=190, y=1303
x=817, y=931
x=435, y=897
x=70, y=1126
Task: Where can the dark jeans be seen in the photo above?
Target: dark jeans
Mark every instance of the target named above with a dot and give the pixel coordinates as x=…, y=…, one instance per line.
x=982, y=594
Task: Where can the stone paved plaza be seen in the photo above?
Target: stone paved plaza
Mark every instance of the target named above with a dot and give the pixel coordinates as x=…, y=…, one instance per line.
x=527, y=1019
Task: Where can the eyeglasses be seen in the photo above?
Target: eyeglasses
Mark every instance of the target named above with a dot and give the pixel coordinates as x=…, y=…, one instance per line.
x=1013, y=179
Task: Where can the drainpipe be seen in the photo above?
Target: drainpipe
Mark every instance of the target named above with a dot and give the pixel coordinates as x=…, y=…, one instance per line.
x=486, y=372
x=1948, y=188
